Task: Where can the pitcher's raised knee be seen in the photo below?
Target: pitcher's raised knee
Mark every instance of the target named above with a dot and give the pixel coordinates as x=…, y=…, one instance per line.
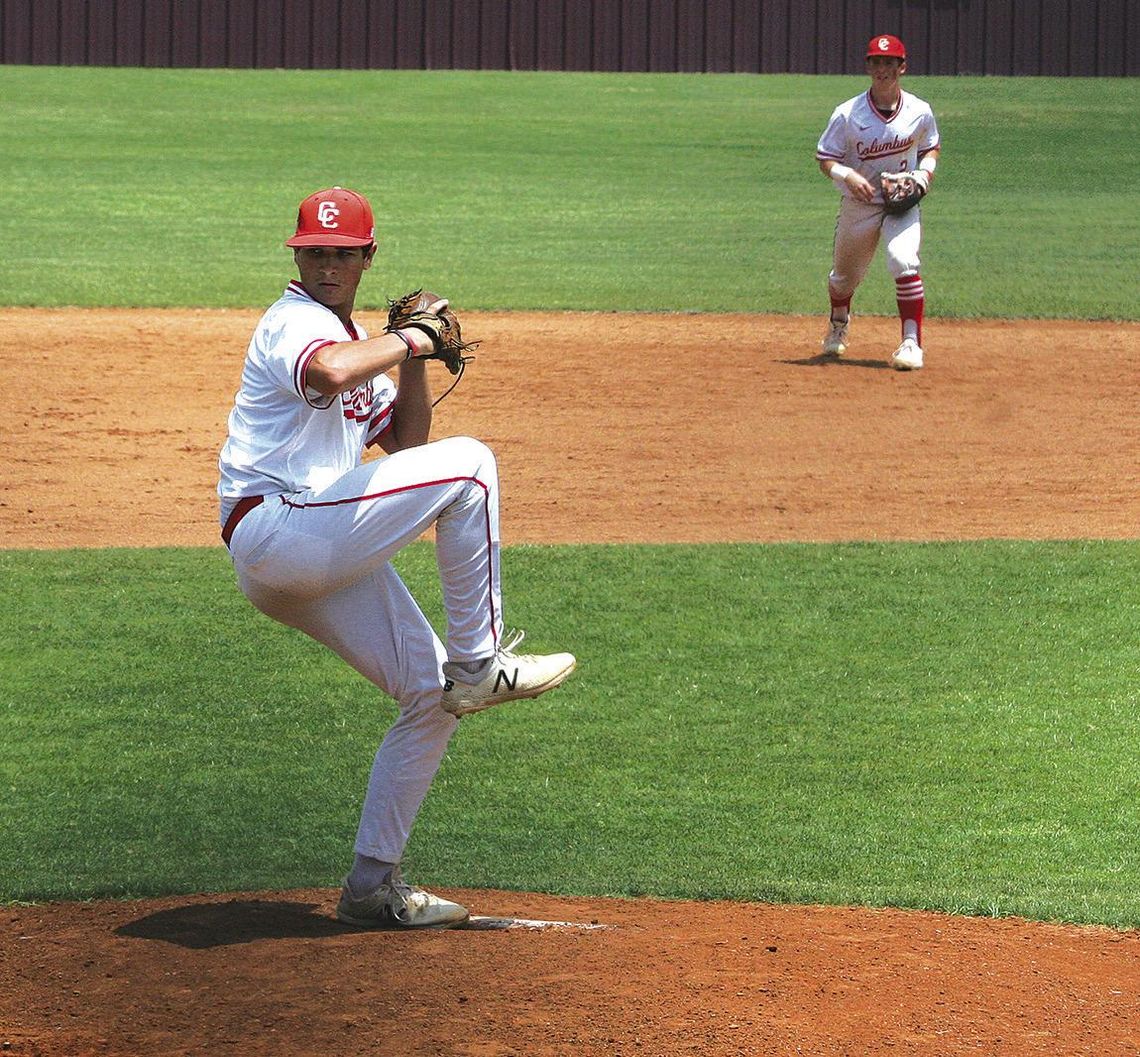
x=470, y=456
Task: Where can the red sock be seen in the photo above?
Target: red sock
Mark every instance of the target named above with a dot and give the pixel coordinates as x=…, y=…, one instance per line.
x=911, y=299
x=839, y=309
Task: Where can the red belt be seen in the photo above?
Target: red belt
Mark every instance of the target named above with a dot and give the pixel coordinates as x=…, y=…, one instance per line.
x=243, y=507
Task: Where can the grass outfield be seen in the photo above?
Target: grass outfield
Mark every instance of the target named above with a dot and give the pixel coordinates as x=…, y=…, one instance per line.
x=552, y=191
x=946, y=726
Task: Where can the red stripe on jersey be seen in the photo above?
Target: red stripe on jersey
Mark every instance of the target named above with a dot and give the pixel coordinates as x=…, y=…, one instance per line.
x=380, y=423
x=301, y=369
x=886, y=115
x=379, y=433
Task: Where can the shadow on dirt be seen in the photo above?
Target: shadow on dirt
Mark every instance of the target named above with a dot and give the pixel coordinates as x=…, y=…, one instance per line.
x=822, y=359
x=203, y=925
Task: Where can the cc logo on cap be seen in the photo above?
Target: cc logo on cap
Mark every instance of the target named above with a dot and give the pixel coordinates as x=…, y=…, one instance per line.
x=884, y=44
x=327, y=213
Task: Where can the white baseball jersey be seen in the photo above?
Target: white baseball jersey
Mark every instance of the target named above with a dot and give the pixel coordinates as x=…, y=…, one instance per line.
x=283, y=435
x=862, y=137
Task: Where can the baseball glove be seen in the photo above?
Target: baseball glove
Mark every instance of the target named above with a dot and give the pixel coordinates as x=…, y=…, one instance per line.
x=903, y=190
x=442, y=326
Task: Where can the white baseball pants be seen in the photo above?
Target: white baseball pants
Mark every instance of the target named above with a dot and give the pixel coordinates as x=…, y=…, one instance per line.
x=320, y=561
x=857, y=231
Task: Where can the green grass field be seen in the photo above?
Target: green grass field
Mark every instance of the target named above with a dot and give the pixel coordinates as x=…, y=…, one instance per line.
x=516, y=190
x=944, y=726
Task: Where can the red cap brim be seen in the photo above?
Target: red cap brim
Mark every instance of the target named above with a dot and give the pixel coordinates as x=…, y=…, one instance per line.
x=323, y=239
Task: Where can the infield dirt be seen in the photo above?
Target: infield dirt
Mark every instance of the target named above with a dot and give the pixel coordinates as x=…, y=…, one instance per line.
x=609, y=427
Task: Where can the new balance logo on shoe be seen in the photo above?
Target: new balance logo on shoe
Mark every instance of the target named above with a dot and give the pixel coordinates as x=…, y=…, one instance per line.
x=502, y=679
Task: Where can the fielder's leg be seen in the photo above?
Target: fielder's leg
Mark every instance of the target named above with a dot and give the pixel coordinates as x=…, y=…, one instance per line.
x=903, y=236
x=856, y=238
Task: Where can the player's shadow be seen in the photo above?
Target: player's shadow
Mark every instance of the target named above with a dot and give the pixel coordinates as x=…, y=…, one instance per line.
x=202, y=925
x=822, y=359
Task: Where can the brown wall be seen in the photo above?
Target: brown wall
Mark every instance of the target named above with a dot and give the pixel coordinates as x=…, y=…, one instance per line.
x=1046, y=37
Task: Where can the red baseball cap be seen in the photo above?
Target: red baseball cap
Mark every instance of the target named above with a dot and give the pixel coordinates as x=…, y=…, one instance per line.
x=885, y=44
x=336, y=217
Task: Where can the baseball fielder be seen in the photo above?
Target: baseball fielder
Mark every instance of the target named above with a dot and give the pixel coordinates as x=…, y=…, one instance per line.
x=311, y=530
x=881, y=148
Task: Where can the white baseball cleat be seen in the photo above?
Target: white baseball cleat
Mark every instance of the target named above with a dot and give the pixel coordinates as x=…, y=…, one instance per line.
x=908, y=356
x=398, y=905
x=835, y=344
x=505, y=677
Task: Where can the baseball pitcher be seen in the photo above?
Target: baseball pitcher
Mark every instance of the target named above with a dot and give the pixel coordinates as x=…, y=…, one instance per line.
x=311, y=528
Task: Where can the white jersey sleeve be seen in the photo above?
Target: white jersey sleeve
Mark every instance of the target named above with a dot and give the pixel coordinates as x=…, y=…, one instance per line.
x=833, y=143
x=928, y=138
x=285, y=345
x=284, y=436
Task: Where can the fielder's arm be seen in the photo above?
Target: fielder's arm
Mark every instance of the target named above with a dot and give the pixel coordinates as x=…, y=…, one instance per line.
x=860, y=187
x=926, y=166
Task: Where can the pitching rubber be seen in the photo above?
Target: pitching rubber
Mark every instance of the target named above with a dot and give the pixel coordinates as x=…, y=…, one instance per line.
x=493, y=924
